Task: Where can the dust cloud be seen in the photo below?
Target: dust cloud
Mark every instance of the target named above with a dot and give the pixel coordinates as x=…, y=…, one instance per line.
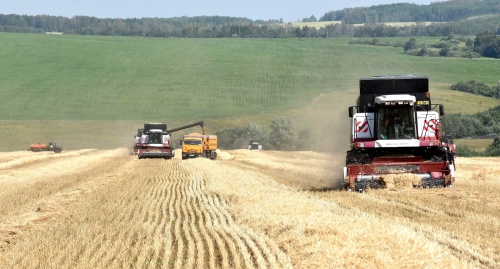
x=328, y=121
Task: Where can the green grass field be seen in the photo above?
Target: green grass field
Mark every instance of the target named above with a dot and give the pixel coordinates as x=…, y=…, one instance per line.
x=474, y=144
x=85, y=81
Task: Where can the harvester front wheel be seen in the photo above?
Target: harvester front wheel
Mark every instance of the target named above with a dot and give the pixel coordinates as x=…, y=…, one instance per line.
x=449, y=181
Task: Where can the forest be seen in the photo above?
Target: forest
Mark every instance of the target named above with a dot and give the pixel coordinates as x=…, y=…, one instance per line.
x=446, y=11
x=435, y=19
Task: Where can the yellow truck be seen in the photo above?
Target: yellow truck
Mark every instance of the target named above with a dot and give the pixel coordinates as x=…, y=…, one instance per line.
x=196, y=144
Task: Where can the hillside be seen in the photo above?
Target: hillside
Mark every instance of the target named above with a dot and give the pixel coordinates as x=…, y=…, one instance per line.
x=129, y=78
x=83, y=90
x=442, y=11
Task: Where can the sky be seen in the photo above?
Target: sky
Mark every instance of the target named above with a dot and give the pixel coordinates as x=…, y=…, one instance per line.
x=288, y=10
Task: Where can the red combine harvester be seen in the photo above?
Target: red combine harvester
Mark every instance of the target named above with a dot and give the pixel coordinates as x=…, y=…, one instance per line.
x=153, y=141
x=395, y=129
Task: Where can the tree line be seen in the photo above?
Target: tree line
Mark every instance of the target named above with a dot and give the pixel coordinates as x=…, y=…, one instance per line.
x=446, y=11
x=478, y=88
x=280, y=135
x=483, y=123
x=227, y=27
x=452, y=12
x=485, y=44
x=492, y=150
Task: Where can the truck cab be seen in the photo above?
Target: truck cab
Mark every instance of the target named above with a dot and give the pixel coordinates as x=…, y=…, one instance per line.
x=192, y=146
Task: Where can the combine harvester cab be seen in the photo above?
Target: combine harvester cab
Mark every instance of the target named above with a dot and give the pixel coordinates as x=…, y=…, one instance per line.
x=153, y=142
x=395, y=129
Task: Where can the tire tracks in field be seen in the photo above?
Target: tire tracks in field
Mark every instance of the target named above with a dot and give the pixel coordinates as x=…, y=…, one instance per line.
x=258, y=250
x=40, y=158
x=50, y=206
x=192, y=228
x=39, y=168
x=144, y=214
x=457, y=247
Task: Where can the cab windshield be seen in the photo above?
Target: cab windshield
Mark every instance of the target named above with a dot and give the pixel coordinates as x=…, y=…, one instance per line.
x=396, y=122
x=155, y=138
x=192, y=142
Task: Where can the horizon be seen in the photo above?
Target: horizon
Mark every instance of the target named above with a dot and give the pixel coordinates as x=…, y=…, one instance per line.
x=288, y=11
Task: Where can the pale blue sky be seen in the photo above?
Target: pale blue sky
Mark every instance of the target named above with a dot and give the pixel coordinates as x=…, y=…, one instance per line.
x=288, y=10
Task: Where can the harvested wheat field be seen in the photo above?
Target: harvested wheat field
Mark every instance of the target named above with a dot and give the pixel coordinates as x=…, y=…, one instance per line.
x=107, y=209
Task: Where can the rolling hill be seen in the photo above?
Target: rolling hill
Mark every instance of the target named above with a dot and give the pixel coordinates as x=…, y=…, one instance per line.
x=95, y=91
